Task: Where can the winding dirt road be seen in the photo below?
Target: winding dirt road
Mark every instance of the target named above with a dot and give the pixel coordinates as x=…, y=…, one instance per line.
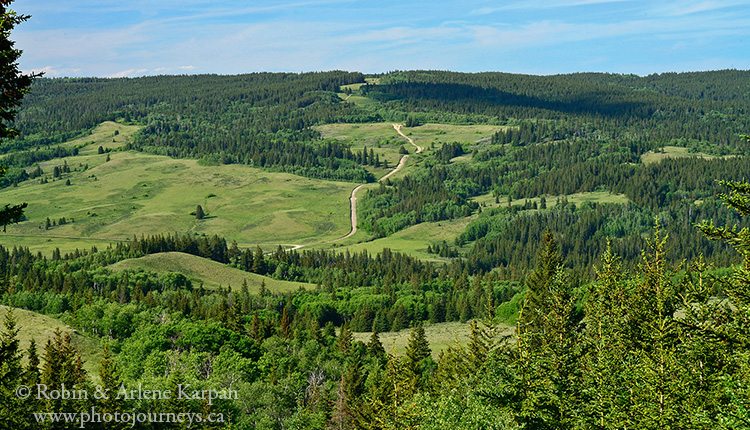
x=398, y=129
x=353, y=196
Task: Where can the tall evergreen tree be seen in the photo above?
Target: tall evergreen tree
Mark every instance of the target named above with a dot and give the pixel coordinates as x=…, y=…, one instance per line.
x=63, y=366
x=285, y=328
x=607, y=333
x=538, y=284
x=417, y=352
x=345, y=339
x=111, y=382
x=11, y=373
x=259, y=262
x=374, y=346
x=727, y=324
x=31, y=375
x=13, y=85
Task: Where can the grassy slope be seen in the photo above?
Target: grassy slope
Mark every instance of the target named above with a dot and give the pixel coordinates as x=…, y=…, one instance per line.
x=104, y=136
x=380, y=137
x=372, y=134
x=673, y=152
x=440, y=336
x=211, y=273
x=42, y=327
x=414, y=240
x=138, y=193
x=488, y=200
x=467, y=134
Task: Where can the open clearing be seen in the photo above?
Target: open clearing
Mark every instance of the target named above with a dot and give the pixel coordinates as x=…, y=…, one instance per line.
x=381, y=138
x=138, y=193
x=674, y=152
x=440, y=336
x=487, y=200
x=466, y=134
x=109, y=135
x=210, y=273
x=414, y=240
x=384, y=140
x=383, y=133
x=42, y=327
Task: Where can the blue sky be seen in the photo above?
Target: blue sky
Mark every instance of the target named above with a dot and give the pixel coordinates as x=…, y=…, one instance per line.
x=147, y=37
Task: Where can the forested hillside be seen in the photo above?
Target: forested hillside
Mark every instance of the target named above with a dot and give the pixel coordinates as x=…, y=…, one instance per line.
x=261, y=119
x=599, y=285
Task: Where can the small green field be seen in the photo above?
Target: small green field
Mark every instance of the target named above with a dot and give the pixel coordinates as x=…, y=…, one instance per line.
x=487, y=200
x=211, y=273
x=414, y=240
x=109, y=135
x=354, y=97
x=673, y=152
x=381, y=138
x=353, y=87
x=374, y=134
x=440, y=336
x=138, y=193
x=42, y=327
x=358, y=100
x=467, y=134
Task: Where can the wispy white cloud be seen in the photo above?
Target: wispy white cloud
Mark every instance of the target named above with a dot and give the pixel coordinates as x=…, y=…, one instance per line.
x=128, y=73
x=552, y=33
x=686, y=29
x=681, y=8
x=52, y=71
x=541, y=4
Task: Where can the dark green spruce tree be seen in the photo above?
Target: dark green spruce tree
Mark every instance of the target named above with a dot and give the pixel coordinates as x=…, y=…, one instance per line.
x=11, y=373
x=13, y=85
x=548, y=377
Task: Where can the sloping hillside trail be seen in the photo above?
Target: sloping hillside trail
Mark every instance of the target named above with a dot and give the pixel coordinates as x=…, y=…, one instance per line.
x=353, y=196
x=398, y=129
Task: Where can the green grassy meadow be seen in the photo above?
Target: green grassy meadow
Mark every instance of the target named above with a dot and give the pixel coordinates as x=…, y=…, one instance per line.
x=440, y=336
x=202, y=270
x=141, y=194
x=383, y=139
x=358, y=100
x=42, y=327
x=488, y=200
x=466, y=134
x=380, y=137
x=414, y=240
x=109, y=135
x=673, y=152
x=136, y=193
x=383, y=133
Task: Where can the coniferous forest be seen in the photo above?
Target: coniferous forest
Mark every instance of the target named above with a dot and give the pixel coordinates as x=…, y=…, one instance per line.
x=629, y=312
